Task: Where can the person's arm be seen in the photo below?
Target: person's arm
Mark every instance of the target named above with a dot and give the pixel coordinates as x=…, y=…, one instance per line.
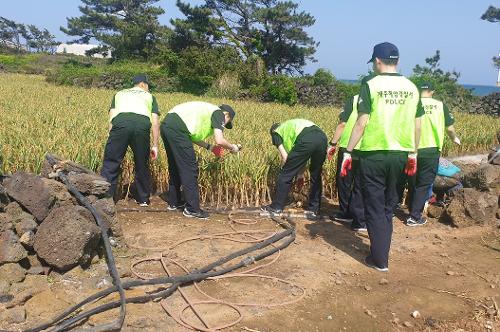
x=418, y=130
x=283, y=154
x=449, y=122
x=418, y=123
x=111, y=113
x=338, y=132
x=221, y=141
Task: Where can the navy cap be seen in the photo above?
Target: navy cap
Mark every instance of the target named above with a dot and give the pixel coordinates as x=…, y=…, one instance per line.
x=385, y=51
x=140, y=78
x=427, y=86
x=232, y=114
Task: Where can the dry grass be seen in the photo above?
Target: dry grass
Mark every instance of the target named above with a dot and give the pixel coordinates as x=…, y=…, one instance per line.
x=38, y=117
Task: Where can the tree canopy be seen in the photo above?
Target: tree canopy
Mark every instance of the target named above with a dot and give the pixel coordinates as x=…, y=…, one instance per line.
x=127, y=28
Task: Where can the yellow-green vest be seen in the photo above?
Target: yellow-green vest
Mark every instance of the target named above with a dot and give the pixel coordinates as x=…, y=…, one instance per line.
x=197, y=116
x=391, y=126
x=433, y=125
x=134, y=100
x=290, y=129
x=349, y=125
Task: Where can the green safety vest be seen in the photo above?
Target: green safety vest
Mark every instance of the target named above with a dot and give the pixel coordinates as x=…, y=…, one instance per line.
x=433, y=126
x=290, y=130
x=197, y=116
x=134, y=100
x=394, y=102
x=349, y=125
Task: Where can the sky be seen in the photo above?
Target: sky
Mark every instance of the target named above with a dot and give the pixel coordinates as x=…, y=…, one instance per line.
x=348, y=30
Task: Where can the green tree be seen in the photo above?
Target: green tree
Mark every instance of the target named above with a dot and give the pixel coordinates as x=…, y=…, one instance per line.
x=271, y=29
x=492, y=14
x=127, y=28
x=445, y=82
x=12, y=34
x=40, y=40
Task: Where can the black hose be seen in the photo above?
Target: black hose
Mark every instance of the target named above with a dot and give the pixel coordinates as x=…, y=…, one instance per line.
x=193, y=277
x=116, y=325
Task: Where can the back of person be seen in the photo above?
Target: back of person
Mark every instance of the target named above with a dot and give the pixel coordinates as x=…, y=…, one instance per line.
x=391, y=127
x=196, y=115
x=291, y=129
x=433, y=124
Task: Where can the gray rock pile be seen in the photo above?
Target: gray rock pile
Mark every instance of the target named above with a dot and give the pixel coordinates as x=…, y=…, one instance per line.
x=489, y=105
x=43, y=227
x=478, y=203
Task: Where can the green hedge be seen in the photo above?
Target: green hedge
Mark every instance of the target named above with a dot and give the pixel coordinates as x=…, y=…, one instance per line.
x=117, y=75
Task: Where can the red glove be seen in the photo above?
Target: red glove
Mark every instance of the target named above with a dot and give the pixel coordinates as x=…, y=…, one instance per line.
x=411, y=165
x=218, y=151
x=300, y=183
x=346, y=164
x=331, y=151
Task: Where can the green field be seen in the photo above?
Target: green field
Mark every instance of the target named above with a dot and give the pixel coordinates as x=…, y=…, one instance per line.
x=38, y=117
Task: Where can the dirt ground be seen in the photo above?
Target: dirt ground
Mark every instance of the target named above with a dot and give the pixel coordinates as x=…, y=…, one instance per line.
x=450, y=276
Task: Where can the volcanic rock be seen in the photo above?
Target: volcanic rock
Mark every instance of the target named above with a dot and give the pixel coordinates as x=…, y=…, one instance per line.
x=470, y=207
x=67, y=237
x=30, y=192
x=11, y=251
x=89, y=184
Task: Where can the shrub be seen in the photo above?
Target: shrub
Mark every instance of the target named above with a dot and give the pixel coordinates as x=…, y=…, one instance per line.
x=117, y=75
x=281, y=89
x=197, y=68
x=226, y=86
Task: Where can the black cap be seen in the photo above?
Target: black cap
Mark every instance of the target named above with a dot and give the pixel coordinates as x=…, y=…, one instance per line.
x=232, y=114
x=427, y=86
x=274, y=127
x=140, y=78
x=385, y=51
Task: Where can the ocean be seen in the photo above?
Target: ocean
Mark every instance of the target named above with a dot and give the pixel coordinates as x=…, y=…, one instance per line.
x=477, y=90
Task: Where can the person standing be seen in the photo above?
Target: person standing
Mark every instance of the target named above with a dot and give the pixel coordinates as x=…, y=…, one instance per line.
x=348, y=186
x=132, y=115
x=298, y=141
x=185, y=124
x=388, y=127
x=436, y=120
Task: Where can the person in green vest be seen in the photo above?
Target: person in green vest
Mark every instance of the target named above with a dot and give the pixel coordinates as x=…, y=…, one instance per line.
x=185, y=124
x=436, y=120
x=298, y=141
x=349, y=186
x=388, y=127
x=132, y=115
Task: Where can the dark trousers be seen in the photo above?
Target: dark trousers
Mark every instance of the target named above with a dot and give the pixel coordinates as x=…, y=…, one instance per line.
x=312, y=145
x=380, y=174
x=182, y=167
x=419, y=185
x=344, y=185
x=356, y=205
x=137, y=136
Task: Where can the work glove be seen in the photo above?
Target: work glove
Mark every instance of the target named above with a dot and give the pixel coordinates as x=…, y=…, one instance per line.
x=330, y=151
x=411, y=165
x=236, y=148
x=217, y=150
x=346, y=164
x=300, y=183
x=154, y=153
x=456, y=140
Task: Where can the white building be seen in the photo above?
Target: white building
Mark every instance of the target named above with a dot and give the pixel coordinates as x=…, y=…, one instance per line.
x=78, y=49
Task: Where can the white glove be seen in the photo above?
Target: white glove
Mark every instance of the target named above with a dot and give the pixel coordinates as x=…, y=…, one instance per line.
x=456, y=140
x=154, y=153
x=235, y=148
